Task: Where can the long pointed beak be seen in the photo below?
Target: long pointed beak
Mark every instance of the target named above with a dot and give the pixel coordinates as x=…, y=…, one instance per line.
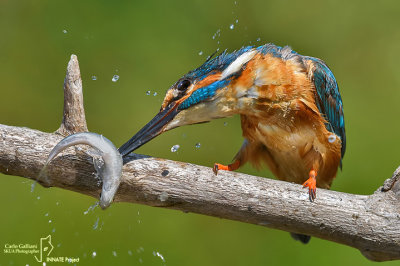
x=151, y=129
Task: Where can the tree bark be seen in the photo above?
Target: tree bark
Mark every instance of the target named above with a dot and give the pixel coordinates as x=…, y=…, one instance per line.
x=368, y=223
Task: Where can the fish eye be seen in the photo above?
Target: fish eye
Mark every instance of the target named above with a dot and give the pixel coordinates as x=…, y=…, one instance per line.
x=183, y=85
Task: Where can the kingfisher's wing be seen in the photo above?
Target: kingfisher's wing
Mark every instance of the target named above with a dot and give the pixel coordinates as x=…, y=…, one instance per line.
x=328, y=98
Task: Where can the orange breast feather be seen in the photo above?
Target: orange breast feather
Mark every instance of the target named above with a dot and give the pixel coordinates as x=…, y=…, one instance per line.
x=283, y=125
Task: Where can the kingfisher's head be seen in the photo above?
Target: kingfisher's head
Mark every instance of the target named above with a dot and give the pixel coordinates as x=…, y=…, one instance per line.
x=199, y=96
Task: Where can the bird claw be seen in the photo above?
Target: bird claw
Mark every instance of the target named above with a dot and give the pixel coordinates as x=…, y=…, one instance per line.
x=215, y=169
x=231, y=167
x=311, y=183
x=218, y=166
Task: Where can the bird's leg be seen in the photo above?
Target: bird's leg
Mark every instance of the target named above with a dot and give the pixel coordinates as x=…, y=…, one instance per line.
x=230, y=167
x=311, y=183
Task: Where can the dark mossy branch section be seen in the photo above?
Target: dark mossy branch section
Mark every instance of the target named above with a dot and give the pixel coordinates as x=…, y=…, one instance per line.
x=368, y=223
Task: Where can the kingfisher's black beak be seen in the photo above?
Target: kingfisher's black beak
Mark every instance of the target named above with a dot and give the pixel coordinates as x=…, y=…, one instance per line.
x=151, y=130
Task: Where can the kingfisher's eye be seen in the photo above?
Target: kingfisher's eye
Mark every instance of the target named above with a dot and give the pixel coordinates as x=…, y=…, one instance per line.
x=183, y=84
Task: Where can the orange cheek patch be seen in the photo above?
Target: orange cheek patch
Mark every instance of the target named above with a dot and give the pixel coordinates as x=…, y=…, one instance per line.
x=207, y=81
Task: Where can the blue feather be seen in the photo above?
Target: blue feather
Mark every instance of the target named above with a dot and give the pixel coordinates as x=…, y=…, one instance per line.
x=329, y=101
x=203, y=93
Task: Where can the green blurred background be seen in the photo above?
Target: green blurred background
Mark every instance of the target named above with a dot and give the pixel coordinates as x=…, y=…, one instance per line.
x=150, y=44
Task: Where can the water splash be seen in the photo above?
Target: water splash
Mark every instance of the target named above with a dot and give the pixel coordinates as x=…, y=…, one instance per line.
x=155, y=94
x=217, y=34
x=114, y=253
x=115, y=78
x=198, y=145
x=158, y=254
x=175, y=148
x=225, y=124
x=232, y=26
x=129, y=252
x=201, y=53
x=96, y=223
x=148, y=92
x=94, y=254
x=94, y=77
x=92, y=207
x=33, y=185
x=65, y=31
x=140, y=250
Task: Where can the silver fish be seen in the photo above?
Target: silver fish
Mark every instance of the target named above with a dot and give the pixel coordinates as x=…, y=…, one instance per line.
x=110, y=172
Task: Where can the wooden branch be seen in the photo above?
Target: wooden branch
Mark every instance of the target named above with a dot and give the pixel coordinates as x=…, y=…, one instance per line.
x=368, y=223
x=74, y=114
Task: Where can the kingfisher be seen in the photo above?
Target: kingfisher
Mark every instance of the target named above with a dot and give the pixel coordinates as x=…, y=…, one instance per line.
x=290, y=108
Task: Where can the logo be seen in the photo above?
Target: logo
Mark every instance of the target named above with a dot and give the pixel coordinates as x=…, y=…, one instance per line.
x=45, y=247
x=41, y=251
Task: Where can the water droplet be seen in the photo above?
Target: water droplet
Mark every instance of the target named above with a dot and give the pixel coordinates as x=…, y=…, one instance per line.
x=94, y=254
x=148, y=92
x=175, y=148
x=225, y=124
x=217, y=34
x=38, y=197
x=33, y=186
x=331, y=138
x=258, y=39
x=65, y=31
x=92, y=207
x=96, y=223
x=232, y=26
x=129, y=252
x=57, y=203
x=198, y=145
x=201, y=53
x=155, y=94
x=114, y=253
x=163, y=196
x=115, y=78
x=140, y=250
x=237, y=21
x=94, y=77
x=158, y=254
x=46, y=214
x=235, y=3
x=49, y=221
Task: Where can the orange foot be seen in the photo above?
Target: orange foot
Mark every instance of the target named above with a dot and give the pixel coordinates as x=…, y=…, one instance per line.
x=231, y=167
x=311, y=183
